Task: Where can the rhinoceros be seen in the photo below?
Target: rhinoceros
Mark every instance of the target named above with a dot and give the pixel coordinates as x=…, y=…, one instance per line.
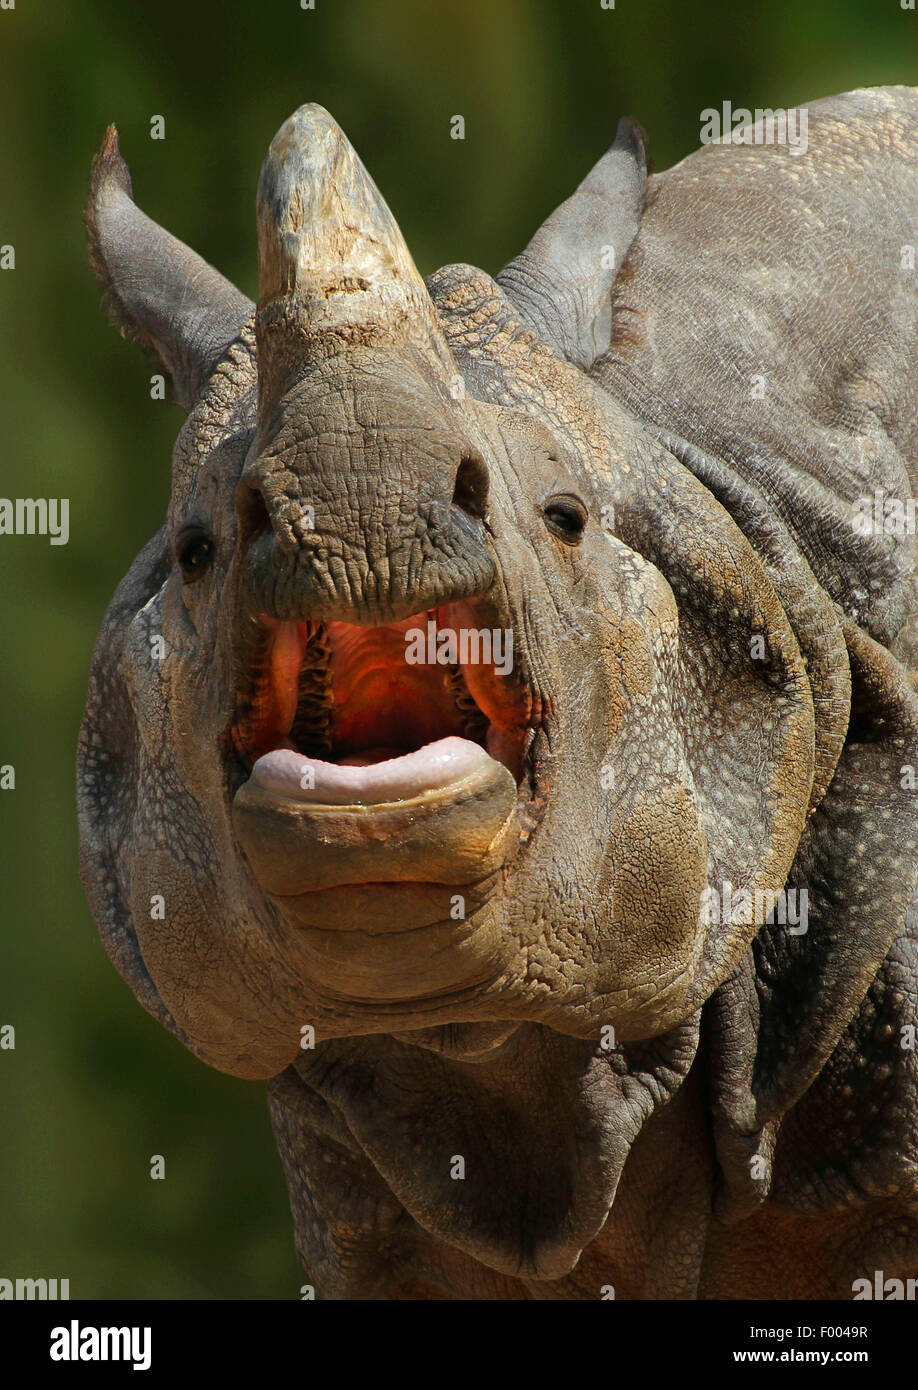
x=506, y=749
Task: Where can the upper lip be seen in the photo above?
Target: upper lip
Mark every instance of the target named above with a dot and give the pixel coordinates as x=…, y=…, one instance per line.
x=297, y=569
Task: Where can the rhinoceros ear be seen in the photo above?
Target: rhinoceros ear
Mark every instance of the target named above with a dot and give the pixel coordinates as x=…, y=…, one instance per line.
x=561, y=284
x=159, y=293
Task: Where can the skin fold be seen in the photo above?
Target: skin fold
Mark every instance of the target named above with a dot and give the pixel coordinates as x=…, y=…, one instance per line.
x=514, y=1048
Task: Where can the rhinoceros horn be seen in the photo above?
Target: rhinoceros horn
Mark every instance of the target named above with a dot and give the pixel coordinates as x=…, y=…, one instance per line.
x=334, y=269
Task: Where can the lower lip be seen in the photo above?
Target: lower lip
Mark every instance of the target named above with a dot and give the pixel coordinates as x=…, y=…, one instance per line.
x=457, y=829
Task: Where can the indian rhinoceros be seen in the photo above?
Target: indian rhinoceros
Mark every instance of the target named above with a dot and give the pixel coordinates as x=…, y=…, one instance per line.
x=507, y=747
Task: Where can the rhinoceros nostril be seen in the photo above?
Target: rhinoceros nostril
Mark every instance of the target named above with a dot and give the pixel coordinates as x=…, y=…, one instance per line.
x=251, y=511
x=470, y=493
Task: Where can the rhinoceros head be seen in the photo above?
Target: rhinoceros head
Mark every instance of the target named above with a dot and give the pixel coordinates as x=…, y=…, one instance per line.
x=432, y=701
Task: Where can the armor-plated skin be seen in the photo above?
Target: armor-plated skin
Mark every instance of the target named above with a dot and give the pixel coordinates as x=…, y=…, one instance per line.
x=511, y=1050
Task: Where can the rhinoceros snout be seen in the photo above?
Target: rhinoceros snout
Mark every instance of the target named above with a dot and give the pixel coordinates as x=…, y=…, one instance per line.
x=363, y=512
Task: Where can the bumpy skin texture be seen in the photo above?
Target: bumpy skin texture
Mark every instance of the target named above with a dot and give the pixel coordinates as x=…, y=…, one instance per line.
x=718, y=672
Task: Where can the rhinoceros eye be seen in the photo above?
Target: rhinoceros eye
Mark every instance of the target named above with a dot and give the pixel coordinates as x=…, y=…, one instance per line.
x=195, y=552
x=566, y=518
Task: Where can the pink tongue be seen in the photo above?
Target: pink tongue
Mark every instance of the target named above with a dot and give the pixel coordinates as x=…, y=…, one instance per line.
x=369, y=778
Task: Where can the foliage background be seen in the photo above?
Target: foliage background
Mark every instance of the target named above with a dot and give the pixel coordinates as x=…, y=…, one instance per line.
x=94, y=1086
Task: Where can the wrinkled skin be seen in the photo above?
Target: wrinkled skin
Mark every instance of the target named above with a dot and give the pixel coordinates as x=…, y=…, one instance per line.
x=577, y=1079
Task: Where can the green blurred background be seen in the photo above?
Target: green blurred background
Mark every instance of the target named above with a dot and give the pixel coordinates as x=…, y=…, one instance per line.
x=94, y=1086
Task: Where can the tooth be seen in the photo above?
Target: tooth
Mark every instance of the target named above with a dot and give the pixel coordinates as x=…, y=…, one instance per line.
x=314, y=695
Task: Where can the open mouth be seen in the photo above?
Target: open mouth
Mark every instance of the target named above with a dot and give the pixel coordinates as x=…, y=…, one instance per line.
x=391, y=753
x=342, y=714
